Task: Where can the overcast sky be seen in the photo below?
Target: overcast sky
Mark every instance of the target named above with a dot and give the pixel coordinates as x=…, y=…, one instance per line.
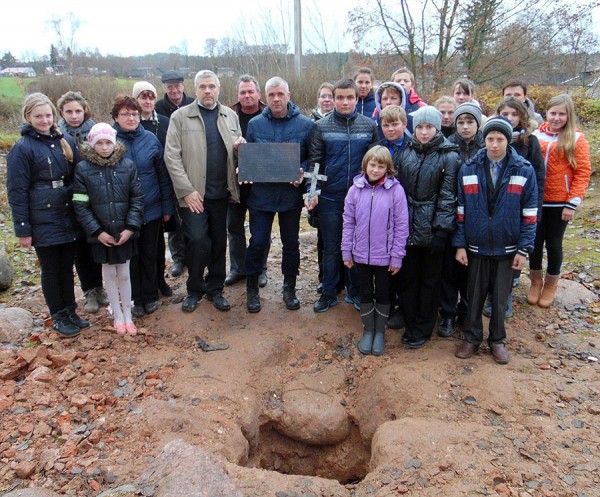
x=129, y=27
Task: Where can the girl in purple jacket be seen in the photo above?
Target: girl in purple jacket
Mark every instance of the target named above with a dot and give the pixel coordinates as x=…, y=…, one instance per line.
x=374, y=238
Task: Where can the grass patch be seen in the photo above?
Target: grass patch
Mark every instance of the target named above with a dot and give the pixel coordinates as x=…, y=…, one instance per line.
x=14, y=87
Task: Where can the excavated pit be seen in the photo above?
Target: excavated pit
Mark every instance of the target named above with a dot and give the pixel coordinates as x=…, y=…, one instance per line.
x=346, y=462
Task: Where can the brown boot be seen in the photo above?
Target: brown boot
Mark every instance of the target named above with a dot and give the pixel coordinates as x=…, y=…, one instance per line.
x=549, y=290
x=534, y=293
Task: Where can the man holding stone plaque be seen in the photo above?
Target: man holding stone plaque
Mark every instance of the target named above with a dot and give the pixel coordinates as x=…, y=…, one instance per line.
x=280, y=122
x=199, y=154
x=338, y=144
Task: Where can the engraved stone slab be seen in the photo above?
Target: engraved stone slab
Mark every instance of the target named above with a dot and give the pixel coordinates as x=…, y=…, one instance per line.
x=269, y=162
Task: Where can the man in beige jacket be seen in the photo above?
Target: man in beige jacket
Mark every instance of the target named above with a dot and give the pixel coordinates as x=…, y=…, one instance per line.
x=199, y=153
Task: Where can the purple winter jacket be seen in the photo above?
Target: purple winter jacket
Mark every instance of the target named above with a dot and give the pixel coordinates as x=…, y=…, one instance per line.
x=375, y=223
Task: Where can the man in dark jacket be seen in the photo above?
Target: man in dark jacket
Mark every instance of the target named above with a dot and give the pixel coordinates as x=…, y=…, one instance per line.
x=174, y=98
x=338, y=145
x=497, y=214
x=280, y=122
x=247, y=107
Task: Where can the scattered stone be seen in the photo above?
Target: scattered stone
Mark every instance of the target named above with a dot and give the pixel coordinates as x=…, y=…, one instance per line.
x=470, y=400
x=63, y=359
x=412, y=463
x=24, y=469
x=79, y=400
x=594, y=409
x=42, y=374
x=568, y=479
x=67, y=375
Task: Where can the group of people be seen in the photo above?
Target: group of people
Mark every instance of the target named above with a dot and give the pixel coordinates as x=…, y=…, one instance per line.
x=425, y=209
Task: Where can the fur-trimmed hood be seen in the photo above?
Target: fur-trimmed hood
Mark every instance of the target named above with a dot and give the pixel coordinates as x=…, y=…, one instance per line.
x=89, y=154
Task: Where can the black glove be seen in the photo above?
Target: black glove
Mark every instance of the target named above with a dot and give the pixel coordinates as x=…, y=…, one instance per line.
x=437, y=245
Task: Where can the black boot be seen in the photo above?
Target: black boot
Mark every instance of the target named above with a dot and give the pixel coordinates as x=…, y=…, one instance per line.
x=64, y=326
x=76, y=319
x=252, y=296
x=446, y=326
x=396, y=319
x=382, y=313
x=367, y=314
x=289, y=293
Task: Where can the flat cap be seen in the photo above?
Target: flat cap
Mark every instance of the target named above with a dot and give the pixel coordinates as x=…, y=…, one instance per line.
x=172, y=76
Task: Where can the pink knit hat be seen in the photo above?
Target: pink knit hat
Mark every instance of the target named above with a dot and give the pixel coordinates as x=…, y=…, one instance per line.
x=102, y=131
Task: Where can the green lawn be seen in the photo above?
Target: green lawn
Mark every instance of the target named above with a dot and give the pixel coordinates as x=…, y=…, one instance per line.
x=14, y=87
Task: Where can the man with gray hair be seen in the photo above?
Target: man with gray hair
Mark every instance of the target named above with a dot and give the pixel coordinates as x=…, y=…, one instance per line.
x=247, y=107
x=199, y=154
x=280, y=122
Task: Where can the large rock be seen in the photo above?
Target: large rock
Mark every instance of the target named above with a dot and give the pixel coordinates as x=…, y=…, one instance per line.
x=573, y=293
x=312, y=409
x=15, y=324
x=184, y=470
x=32, y=492
x=6, y=271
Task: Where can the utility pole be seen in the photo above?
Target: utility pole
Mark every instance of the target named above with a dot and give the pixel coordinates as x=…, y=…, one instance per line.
x=298, y=37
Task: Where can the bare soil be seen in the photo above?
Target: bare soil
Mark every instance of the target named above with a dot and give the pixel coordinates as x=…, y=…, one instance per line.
x=83, y=415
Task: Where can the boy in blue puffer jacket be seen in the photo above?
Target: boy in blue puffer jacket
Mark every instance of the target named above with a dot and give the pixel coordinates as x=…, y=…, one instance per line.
x=497, y=213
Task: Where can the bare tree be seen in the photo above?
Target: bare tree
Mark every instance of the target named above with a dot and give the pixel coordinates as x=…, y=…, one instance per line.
x=486, y=39
x=65, y=28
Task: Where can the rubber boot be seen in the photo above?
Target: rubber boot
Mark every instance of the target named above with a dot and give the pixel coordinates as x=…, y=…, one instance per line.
x=382, y=313
x=550, y=285
x=289, y=293
x=252, y=295
x=537, y=282
x=367, y=314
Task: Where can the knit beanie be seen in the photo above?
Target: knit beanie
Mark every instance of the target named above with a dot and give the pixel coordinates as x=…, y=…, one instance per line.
x=498, y=123
x=102, y=131
x=427, y=115
x=468, y=108
x=141, y=86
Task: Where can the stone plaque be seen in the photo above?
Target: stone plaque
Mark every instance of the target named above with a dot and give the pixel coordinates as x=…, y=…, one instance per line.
x=269, y=162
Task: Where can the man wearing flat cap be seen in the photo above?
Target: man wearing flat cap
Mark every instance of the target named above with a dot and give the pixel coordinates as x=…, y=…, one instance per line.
x=175, y=97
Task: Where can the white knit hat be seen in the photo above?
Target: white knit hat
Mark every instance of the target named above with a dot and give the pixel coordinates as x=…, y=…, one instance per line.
x=141, y=86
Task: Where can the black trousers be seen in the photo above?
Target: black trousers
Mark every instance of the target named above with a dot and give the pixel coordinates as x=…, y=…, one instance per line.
x=374, y=283
x=205, y=237
x=89, y=272
x=493, y=275
x=419, y=292
x=453, y=284
x=550, y=232
x=58, y=282
x=142, y=268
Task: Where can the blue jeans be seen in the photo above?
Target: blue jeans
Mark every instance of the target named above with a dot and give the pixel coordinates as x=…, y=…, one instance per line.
x=261, y=223
x=331, y=223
